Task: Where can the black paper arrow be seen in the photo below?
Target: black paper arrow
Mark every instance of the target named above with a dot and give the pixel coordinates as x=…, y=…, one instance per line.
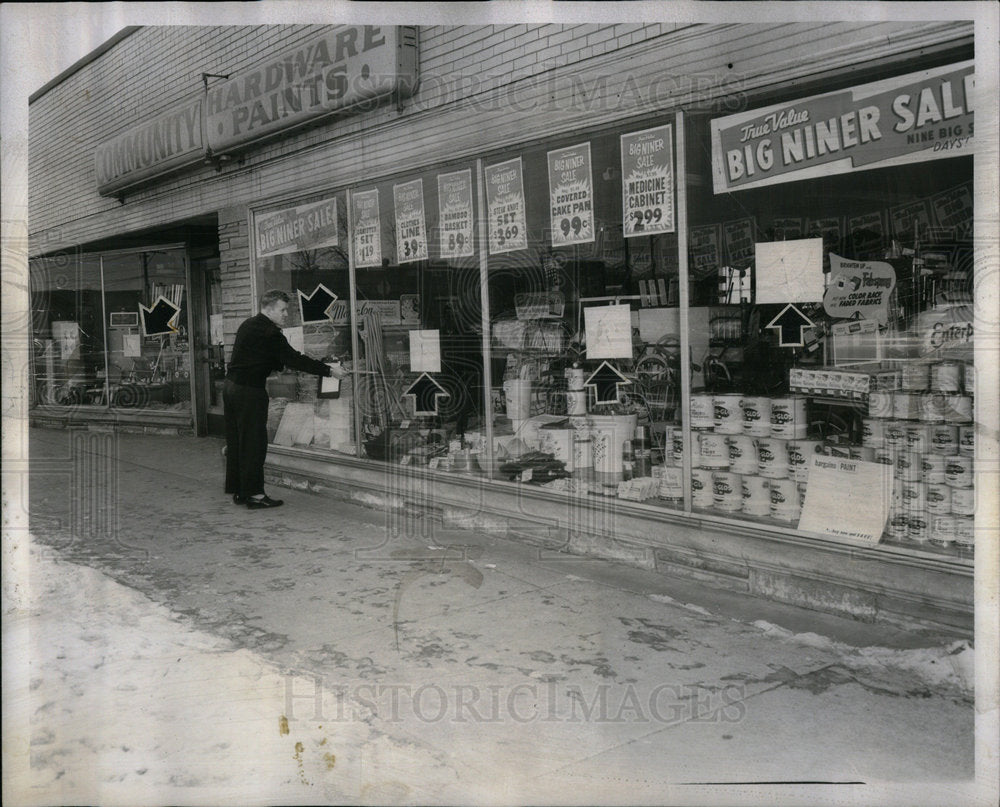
x=156, y=321
x=792, y=324
x=313, y=307
x=606, y=381
x=425, y=392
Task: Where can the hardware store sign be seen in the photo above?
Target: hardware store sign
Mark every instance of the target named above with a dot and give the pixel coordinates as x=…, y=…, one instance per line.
x=912, y=118
x=294, y=229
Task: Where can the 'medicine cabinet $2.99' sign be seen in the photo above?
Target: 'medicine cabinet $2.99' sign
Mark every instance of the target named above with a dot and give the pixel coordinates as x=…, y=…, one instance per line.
x=911, y=118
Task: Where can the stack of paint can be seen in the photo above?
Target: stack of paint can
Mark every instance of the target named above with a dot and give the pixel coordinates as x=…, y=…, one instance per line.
x=925, y=431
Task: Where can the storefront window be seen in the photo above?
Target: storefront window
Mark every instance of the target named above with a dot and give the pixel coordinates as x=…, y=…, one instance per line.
x=420, y=360
x=149, y=363
x=111, y=330
x=301, y=249
x=830, y=324
x=583, y=289
x=68, y=331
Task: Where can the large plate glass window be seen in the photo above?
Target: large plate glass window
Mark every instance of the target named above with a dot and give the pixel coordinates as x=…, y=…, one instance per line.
x=831, y=313
x=301, y=248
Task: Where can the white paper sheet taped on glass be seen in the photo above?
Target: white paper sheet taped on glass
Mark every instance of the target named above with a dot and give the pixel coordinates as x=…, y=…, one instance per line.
x=609, y=332
x=425, y=351
x=789, y=271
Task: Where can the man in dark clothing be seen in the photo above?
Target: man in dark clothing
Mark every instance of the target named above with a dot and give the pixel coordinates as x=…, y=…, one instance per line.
x=260, y=348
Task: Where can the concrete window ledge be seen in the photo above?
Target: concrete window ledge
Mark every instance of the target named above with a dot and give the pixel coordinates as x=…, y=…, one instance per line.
x=882, y=583
x=140, y=421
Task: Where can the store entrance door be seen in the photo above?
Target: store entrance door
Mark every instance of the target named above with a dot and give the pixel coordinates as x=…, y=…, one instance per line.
x=209, y=344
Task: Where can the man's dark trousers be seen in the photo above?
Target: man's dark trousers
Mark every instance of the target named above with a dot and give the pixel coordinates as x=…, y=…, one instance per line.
x=246, y=437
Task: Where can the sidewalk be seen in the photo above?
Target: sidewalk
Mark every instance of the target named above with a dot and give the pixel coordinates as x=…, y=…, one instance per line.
x=444, y=666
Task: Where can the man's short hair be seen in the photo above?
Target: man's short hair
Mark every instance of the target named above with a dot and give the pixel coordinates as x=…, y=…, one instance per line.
x=269, y=298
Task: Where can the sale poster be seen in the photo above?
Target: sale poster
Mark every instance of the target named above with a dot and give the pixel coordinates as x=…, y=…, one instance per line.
x=953, y=211
x=455, y=209
x=367, y=229
x=704, y=249
x=867, y=232
x=787, y=228
x=648, y=181
x=505, y=206
x=571, y=196
x=738, y=236
x=909, y=221
x=828, y=229
x=411, y=230
x=293, y=229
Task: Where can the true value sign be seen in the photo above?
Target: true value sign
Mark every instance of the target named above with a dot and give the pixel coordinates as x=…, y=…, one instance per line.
x=340, y=71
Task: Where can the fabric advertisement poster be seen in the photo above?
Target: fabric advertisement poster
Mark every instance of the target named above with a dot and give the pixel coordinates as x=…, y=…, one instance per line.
x=455, y=208
x=571, y=196
x=505, y=206
x=367, y=229
x=294, y=229
x=411, y=229
x=648, y=181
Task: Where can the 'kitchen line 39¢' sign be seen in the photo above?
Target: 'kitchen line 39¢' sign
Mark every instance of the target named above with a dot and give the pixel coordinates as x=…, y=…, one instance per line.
x=912, y=118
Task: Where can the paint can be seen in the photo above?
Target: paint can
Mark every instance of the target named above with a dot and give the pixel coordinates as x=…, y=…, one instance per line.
x=895, y=434
x=800, y=454
x=946, y=376
x=967, y=440
x=917, y=527
x=671, y=484
x=909, y=467
x=757, y=416
x=963, y=501
x=772, y=457
x=931, y=407
x=743, y=454
x=728, y=414
x=932, y=466
x=914, y=496
x=965, y=532
x=863, y=453
x=942, y=529
x=873, y=432
x=574, y=379
x=918, y=437
x=944, y=439
x=702, y=412
x=727, y=491
x=880, y=404
x=701, y=487
x=784, y=499
x=957, y=408
x=756, y=492
x=789, y=420
x=897, y=525
x=714, y=450
x=906, y=405
x=576, y=403
x=958, y=473
x=886, y=456
x=915, y=376
x=938, y=499
x=969, y=379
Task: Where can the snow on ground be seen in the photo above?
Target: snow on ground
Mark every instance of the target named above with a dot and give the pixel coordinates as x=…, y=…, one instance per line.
x=127, y=704
x=947, y=668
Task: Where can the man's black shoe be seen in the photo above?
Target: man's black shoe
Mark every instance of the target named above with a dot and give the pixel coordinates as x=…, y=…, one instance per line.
x=266, y=501
x=238, y=499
